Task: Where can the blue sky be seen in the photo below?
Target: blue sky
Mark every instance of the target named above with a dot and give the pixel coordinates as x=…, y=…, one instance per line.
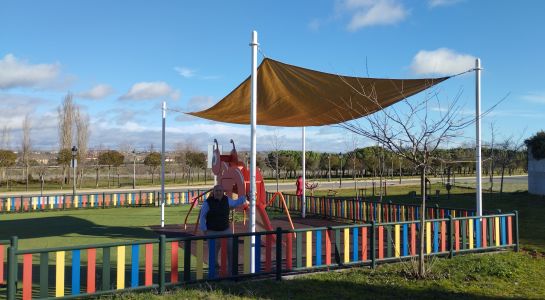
x=120, y=59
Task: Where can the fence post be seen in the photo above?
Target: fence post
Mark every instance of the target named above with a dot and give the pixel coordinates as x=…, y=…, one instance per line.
x=12, y=268
x=450, y=238
x=278, y=253
x=162, y=254
x=373, y=245
x=517, y=247
x=353, y=210
x=234, y=258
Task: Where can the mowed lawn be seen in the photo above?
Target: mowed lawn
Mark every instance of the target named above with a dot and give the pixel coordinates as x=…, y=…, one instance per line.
x=480, y=276
x=531, y=208
x=87, y=226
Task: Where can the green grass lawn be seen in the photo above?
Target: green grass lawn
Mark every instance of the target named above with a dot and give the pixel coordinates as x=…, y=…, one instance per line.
x=481, y=276
x=531, y=208
x=86, y=226
x=484, y=276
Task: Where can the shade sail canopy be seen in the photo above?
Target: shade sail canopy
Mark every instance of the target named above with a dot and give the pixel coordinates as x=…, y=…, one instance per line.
x=290, y=96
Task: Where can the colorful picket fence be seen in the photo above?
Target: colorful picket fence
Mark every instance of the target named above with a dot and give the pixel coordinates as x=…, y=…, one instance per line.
x=358, y=210
x=159, y=264
x=94, y=200
x=3, y=260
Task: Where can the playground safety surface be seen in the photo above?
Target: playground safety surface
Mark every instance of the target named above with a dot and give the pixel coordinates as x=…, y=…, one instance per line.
x=177, y=230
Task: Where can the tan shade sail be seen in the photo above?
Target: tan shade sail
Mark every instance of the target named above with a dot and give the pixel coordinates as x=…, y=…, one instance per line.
x=291, y=96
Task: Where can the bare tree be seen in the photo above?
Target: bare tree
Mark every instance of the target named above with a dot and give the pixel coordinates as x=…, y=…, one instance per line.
x=42, y=170
x=26, y=147
x=492, y=158
x=128, y=150
x=5, y=143
x=82, y=136
x=181, y=160
x=276, y=144
x=413, y=126
x=65, y=125
x=351, y=145
x=509, y=149
x=96, y=166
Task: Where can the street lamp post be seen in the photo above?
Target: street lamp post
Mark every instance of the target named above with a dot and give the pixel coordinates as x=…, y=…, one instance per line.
x=74, y=167
x=400, y=148
x=133, y=169
x=341, y=178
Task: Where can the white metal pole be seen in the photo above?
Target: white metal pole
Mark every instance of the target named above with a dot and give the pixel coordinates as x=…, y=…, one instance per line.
x=74, y=167
x=163, y=165
x=303, y=198
x=253, y=118
x=478, y=136
x=134, y=169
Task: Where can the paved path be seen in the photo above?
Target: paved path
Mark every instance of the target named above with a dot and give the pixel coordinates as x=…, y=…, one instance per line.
x=271, y=186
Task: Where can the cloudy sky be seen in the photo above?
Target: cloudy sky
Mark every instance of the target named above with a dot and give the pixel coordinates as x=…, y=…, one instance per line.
x=120, y=59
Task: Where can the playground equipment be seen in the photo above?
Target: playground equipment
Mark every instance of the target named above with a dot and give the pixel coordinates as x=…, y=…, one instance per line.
x=234, y=177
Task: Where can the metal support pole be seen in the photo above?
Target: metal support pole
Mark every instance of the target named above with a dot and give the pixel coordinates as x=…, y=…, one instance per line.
x=12, y=269
x=450, y=236
x=74, y=178
x=329, y=167
x=253, y=118
x=517, y=246
x=341, y=178
x=373, y=245
x=304, y=199
x=478, y=184
x=134, y=169
x=279, y=253
x=162, y=266
x=164, y=111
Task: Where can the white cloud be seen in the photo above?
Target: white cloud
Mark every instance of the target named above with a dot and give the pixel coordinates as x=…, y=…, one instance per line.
x=200, y=102
x=185, y=72
x=194, y=104
x=100, y=91
x=367, y=13
x=192, y=73
x=442, y=61
x=437, y=3
x=19, y=73
x=314, y=24
x=150, y=90
x=43, y=131
x=15, y=107
x=535, y=97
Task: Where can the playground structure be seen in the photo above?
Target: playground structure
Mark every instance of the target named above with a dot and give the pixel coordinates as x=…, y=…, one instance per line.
x=234, y=177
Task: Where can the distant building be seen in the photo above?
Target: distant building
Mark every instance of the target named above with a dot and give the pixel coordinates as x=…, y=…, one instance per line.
x=536, y=175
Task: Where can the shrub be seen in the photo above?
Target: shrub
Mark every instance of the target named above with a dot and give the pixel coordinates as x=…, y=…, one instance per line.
x=536, y=144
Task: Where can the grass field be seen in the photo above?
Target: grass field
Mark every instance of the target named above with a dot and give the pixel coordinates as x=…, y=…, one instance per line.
x=86, y=226
x=486, y=276
x=531, y=208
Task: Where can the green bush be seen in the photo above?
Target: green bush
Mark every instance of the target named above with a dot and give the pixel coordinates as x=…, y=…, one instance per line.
x=536, y=144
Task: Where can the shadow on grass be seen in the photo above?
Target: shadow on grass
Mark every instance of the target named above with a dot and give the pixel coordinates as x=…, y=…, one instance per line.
x=308, y=288
x=64, y=225
x=531, y=209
